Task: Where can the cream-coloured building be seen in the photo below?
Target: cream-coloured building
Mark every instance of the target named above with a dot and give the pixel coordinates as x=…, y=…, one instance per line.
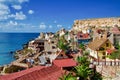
x=50, y=45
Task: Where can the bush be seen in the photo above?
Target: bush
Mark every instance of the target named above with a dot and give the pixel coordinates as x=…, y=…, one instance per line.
x=12, y=69
x=81, y=46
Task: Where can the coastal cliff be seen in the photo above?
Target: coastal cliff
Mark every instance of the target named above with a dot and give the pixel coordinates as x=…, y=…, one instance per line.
x=96, y=22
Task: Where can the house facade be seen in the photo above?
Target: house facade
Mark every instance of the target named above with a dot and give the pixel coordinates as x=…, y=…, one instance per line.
x=115, y=35
x=36, y=45
x=99, y=46
x=50, y=45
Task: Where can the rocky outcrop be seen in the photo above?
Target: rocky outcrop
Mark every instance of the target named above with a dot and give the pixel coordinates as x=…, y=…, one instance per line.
x=98, y=22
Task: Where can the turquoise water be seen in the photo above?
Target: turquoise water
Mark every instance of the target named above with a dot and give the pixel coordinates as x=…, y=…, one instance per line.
x=12, y=42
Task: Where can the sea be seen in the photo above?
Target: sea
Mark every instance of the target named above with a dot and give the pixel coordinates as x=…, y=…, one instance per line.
x=10, y=42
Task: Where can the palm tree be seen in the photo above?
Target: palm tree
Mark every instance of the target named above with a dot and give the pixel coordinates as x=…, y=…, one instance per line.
x=83, y=60
x=82, y=72
x=97, y=76
x=62, y=43
x=81, y=46
x=67, y=77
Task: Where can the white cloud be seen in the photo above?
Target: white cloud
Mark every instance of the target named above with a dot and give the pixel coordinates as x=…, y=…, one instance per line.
x=17, y=7
x=59, y=26
x=3, y=17
x=14, y=26
x=4, y=9
x=30, y=11
x=13, y=23
x=18, y=16
x=50, y=26
x=21, y=1
x=42, y=26
x=14, y=1
x=3, y=12
x=2, y=0
x=3, y=6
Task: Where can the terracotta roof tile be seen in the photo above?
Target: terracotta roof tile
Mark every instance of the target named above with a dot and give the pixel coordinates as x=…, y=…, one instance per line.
x=64, y=62
x=46, y=73
x=18, y=74
x=49, y=73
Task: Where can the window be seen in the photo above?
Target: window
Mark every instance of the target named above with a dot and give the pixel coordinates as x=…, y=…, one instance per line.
x=107, y=44
x=53, y=47
x=103, y=53
x=52, y=42
x=103, y=57
x=39, y=43
x=42, y=43
x=101, y=48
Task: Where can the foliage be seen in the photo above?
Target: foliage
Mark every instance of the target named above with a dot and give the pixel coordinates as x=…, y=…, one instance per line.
x=85, y=53
x=114, y=55
x=82, y=71
x=97, y=76
x=12, y=69
x=67, y=33
x=81, y=46
x=67, y=77
x=62, y=43
x=56, y=35
x=26, y=50
x=62, y=38
x=83, y=60
x=117, y=46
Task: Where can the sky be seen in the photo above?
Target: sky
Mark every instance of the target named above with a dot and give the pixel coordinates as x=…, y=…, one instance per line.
x=52, y=15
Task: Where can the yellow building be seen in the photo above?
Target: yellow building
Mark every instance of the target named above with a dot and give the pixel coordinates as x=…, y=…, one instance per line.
x=99, y=46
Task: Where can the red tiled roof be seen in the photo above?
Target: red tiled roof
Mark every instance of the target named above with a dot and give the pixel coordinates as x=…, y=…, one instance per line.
x=64, y=62
x=18, y=74
x=46, y=73
x=83, y=35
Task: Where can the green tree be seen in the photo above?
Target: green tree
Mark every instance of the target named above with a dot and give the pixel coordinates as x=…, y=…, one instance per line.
x=85, y=53
x=97, y=76
x=62, y=45
x=12, y=69
x=81, y=46
x=83, y=60
x=117, y=46
x=114, y=55
x=67, y=77
x=82, y=71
